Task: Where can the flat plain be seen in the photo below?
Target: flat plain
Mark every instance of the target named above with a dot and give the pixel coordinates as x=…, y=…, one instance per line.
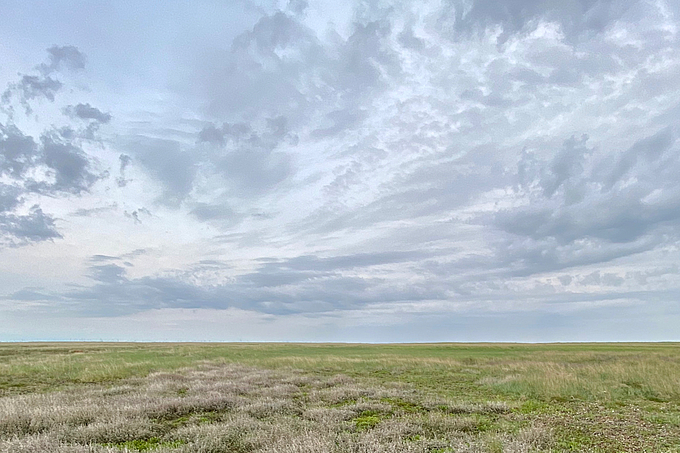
x=283, y=397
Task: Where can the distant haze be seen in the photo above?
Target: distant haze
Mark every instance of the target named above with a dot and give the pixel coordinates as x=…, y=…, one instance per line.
x=326, y=171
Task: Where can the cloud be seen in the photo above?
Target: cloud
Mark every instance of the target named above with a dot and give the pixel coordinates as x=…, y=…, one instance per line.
x=292, y=286
x=125, y=161
x=18, y=151
x=579, y=208
x=651, y=149
x=567, y=163
x=172, y=166
x=87, y=112
x=134, y=215
x=207, y=212
x=575, y=16
x=298, y=6
x=63, y=57
x=82, y=212
x=260, y=79
x=35, y=226
x=10, y=197
x=54, y=166
x=233, y=132
x=33, y=87
x=248, y=158
x=43, y=85
x=67, y=170
x=58, y=149
x=285, y=81
x=69, y=163
x=109, y=273
x=298, y=287
x=281, y=67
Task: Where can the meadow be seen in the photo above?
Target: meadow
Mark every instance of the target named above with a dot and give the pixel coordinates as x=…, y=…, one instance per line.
x=245, y=397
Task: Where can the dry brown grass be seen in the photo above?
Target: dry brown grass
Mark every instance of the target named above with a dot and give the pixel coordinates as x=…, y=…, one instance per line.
x=231, y=408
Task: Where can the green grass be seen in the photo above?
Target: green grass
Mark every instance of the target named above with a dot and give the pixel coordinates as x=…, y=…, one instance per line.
x=590, y=372
x=585, y=392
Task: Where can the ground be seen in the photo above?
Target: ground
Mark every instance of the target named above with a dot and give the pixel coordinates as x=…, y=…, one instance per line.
x=113, y=397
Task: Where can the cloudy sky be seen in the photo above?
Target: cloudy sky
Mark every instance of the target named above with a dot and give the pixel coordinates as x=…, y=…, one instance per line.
x=473, y=170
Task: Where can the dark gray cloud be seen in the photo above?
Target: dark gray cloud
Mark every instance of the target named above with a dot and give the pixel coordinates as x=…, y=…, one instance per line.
x=109, y=273
x=234, y=133
x=31, y=294
x=58, y=149
x=54, y=166
x=63, y=57
x=248, y=158
x=409, y=40
x=87, y=112
x=339, y=121
x=567, y=163
x=575, y=16
x=212, y=134
x=19, y=152
x=43, y=85
x=35, y=226
x=68, y=171
x=591, y=203
x=207, y=212
x=252, y=169
x=261, y=80
x=303, y=284
x=645, y=152
x=33, y=87
x=363, y=57
x=70, y=164
x=137, y=215
x=10, y=197
x=585, y=211
x=298, y=6
x=279, y=289
x=281, y=67
x=172, y=166
x=125, y=161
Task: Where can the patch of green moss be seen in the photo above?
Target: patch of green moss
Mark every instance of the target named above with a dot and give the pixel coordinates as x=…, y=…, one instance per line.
x=405, y=406
x=367, y=420
x=196, y=417
x=532, y=407
x=576, y=440
x=343, y=403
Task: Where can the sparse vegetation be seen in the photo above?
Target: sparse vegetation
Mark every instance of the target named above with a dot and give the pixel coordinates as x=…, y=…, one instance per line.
x=339, y=398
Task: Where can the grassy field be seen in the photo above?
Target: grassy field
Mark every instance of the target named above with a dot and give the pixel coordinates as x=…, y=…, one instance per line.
x=112, y=397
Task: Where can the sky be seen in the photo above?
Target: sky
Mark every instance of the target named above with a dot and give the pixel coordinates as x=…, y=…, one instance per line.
x=454, y=170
